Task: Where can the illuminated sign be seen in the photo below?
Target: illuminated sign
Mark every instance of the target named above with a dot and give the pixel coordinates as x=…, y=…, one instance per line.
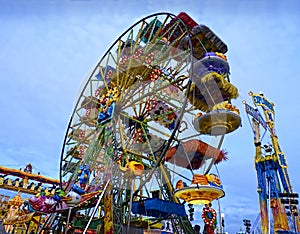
x=256, y=115
x=260, y=100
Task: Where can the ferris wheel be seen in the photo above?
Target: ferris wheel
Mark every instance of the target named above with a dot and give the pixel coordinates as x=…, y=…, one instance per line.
x=149, y=124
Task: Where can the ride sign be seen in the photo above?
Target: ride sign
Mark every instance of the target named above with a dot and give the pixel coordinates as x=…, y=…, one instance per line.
x=260, y=100
x=256, y=115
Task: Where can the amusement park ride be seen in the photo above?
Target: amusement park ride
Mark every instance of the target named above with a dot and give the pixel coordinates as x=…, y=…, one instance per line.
x=26, y=182
x=144, y=134
x=148, y=127
x=275, y=190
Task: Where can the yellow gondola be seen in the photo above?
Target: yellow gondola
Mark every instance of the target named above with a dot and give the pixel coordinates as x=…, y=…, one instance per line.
x=217, y=122
x=204, y=189
x=199, y=194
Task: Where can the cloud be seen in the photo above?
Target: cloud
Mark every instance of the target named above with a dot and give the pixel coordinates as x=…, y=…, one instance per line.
x=19, y=157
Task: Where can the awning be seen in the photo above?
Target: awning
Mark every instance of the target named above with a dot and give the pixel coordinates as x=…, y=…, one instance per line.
x=157, y=208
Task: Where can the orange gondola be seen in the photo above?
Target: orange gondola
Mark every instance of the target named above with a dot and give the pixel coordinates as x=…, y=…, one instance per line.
x=193, y=153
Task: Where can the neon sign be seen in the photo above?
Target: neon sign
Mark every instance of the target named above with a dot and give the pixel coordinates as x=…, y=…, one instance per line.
x=260, y=100
x=256, y=115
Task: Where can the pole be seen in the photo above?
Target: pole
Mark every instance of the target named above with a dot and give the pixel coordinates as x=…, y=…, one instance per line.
x=223, y=222
x=269, y=206
x=294, y=219
x=220, y=217
x=130, y=206
x=68, y=219
x=95, y=208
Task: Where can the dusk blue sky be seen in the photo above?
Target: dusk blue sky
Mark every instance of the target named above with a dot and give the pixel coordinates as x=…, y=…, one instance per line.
x=48, y=47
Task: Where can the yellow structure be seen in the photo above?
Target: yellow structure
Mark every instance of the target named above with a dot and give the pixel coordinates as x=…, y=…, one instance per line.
x=271, y=167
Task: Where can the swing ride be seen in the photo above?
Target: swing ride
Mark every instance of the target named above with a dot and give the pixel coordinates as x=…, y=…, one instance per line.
x=272, y=175
x=145, y=132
